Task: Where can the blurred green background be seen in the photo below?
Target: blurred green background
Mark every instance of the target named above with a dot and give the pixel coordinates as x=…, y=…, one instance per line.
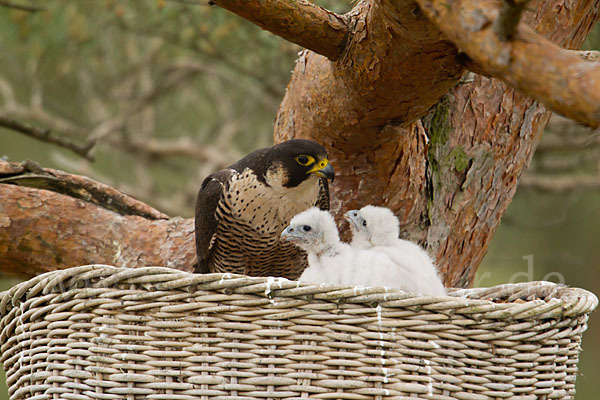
x=168, y=92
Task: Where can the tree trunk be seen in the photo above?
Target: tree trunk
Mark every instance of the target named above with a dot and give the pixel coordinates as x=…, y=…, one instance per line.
x=385, y=96
x=451, y=182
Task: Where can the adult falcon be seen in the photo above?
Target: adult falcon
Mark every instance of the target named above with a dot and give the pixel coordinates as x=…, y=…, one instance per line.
x=242, y=210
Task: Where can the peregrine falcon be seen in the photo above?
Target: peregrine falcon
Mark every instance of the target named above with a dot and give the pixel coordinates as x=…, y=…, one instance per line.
x=242, y=210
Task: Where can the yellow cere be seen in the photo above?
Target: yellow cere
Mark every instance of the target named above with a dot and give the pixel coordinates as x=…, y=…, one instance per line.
x=319, y=166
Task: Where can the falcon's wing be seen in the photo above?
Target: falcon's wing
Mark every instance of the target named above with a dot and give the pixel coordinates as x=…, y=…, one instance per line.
x=323, y=200
x=206, y=221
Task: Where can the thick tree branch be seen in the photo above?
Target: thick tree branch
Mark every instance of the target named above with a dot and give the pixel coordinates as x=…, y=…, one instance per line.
x=298, y=21
x=588, y=55
x=78, y=221
x=30, y=174
x=555, y=77
x=45, y=135
x=70, y=232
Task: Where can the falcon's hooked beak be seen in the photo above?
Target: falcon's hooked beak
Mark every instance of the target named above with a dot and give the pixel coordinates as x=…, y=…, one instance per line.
x=352, y=216
x=323, y=169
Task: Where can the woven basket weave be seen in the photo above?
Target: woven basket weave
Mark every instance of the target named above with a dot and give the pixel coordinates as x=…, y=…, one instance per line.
x=99, y=332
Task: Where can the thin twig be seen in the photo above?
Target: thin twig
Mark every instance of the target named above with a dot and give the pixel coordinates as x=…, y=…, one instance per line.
x=216, y=56
x=181, y=147
x=21, y=7
x=190, y=2
x=560, y=183
x=563, y=135
x=170, y=81
x=45, y=135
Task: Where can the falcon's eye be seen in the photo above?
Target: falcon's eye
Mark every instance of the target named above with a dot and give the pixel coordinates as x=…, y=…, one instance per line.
x=305, y=160
x=306, y=228
x=364, y=223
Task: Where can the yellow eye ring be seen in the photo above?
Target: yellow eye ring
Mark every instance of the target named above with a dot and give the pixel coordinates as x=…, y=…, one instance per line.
x=304, y=159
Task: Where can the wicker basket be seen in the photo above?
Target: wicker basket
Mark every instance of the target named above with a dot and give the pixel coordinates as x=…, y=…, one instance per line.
x=99, y=332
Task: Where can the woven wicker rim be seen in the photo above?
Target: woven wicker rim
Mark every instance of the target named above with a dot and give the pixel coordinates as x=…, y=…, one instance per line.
x=530, y=300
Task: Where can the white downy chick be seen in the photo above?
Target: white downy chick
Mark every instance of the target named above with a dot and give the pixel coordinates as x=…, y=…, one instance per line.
x=377, y=229
x=315, y=232
x=332, y=261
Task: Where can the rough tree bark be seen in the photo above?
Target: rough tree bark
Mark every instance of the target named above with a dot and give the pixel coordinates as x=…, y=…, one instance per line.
x=381, y=88
x=450, y=191
x=50, y=220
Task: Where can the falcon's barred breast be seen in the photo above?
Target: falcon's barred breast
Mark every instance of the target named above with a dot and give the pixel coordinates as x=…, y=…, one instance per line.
x=242, y=210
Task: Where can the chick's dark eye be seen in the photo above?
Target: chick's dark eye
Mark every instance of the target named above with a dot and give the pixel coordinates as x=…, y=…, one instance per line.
x=306, y=228
x=364, y=223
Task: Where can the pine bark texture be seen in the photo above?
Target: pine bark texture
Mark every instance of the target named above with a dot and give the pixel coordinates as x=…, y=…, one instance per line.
x=66, y=220
x=556, y=77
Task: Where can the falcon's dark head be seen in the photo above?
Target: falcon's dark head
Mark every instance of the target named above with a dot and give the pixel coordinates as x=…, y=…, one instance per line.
x=296, y=160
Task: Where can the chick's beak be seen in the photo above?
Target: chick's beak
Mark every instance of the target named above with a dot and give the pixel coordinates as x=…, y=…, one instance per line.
x=288, y=235
x=349, y=216
x=324, y=169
